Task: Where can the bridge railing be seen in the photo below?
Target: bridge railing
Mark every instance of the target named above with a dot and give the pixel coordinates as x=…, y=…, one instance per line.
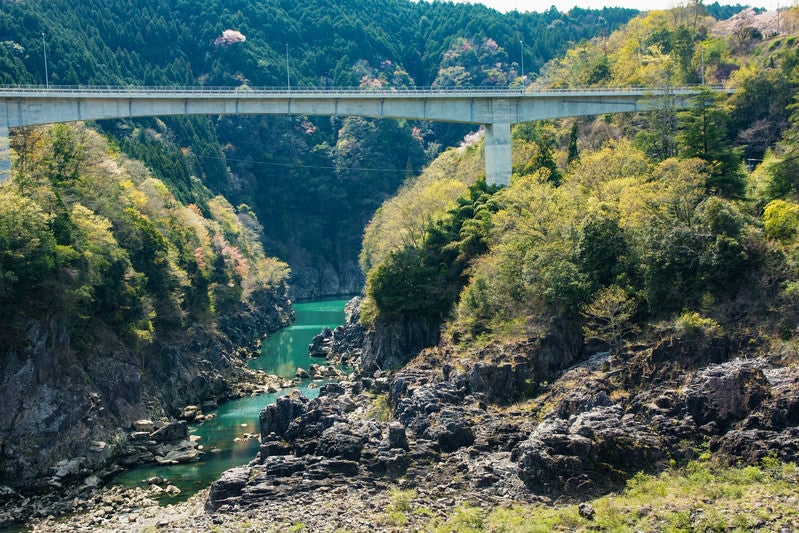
x=254, y=92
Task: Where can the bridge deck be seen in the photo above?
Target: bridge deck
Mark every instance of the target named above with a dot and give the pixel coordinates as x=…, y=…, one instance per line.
x=494, y=107
x=65, y=91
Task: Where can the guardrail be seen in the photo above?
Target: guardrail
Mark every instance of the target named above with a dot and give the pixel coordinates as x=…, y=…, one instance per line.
x=255, y=92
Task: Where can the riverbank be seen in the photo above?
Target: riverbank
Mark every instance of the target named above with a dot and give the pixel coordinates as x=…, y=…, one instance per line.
x=227, y=436
x=450, y=442
x=705, y=495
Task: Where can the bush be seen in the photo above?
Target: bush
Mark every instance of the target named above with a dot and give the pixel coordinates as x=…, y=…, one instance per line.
x=692, y=324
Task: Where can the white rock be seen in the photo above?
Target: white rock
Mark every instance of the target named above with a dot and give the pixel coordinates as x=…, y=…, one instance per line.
x=144, y=425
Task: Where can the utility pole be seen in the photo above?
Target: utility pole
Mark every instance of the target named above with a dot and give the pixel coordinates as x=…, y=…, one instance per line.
x=288, y=75
x=703, y=64
x=44, y=51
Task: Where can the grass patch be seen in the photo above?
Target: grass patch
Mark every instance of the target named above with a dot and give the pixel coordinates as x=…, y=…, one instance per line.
x=396, y=513
x=379, y=410
x=705, y=495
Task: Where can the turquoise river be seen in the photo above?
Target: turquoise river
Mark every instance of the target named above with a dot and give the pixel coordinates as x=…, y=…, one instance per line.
x=220, y=437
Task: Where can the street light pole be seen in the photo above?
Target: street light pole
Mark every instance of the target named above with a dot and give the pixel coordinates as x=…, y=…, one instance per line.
x=522, y=45
x=44, y=51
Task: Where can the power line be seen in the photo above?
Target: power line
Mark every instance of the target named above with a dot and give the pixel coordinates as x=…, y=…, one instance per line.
x=295, y=165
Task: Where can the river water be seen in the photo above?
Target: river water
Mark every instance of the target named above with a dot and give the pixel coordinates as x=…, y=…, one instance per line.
x=281, y=354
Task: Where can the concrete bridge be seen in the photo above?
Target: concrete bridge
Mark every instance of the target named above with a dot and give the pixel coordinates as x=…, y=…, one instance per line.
x=494, y=108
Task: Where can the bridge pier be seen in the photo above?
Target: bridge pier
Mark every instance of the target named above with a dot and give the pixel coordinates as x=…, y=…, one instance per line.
x=5, y=154
x=497, y=154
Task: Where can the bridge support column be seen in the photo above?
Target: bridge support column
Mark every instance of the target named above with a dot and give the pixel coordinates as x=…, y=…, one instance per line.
x=497, y=154
x=5, y=154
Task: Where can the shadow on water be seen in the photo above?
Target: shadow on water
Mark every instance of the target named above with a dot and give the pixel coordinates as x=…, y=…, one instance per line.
x=222, y=437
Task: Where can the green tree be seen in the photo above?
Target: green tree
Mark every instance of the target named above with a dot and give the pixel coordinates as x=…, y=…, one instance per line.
x=703, y=134
x=781, y=220
x=573, y=152
x=28, y=253
x=610, y=317
x=601, y=248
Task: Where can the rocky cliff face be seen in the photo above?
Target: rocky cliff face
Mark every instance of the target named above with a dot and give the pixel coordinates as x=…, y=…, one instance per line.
x=586, y=433
x=317, y=282
x=75, y=404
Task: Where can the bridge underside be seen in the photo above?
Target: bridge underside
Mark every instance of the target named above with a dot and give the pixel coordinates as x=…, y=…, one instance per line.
x=496, y=111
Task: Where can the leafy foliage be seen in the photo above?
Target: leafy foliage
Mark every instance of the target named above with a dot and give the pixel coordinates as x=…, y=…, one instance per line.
x=89, y=235
x=610, y=317
x=421, y=283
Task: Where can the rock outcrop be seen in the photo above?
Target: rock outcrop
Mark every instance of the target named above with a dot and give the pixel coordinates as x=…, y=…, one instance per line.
x=450, y=429
x=343, y=345
x=66, y=398
x=586, y=453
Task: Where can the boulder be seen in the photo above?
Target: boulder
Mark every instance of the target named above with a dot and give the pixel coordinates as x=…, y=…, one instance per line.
x=227, y=487
x=331, y=389
x=452, y=431
x=336, y=466
x=173, y=431
x=502, y=383
x=68, y=467
x=144, y=425
x=397, y=439
x=598, y=449
x=138, y=436
x=321, y=343
x=183, y=452
x=273, y=446
x=190, y=412
x=277, y=417
x=726, y=393
x=340, y=441
x=7, y=493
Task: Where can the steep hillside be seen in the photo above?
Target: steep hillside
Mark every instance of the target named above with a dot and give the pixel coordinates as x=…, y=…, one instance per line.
x=315, y=182
x=652, y=214
x=118, y=302
x=607, y=343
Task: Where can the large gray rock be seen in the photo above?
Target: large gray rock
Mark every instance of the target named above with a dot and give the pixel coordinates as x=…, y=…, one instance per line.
x=397, y=438
x=173, y=431
x=499, y=382
x=228, y=487
x=723, y=394
x=452, y=431
x=321, y=343
x=340, y=441
x=597, y=449
x=277, y=417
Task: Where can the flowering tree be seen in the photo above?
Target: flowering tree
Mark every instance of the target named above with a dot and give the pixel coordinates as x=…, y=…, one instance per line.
x=229, y=37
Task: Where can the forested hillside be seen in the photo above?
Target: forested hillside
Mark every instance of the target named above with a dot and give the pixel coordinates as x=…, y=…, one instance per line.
x=118, y=301
x=175, y=42
x=313, y=182
x=612, y=224
x=141, y=259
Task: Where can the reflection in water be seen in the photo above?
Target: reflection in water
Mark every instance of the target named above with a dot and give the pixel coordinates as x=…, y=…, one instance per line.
x=221, y=437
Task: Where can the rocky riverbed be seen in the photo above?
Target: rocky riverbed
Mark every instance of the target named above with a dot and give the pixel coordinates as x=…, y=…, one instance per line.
x=429, y=438
x=491, y=429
